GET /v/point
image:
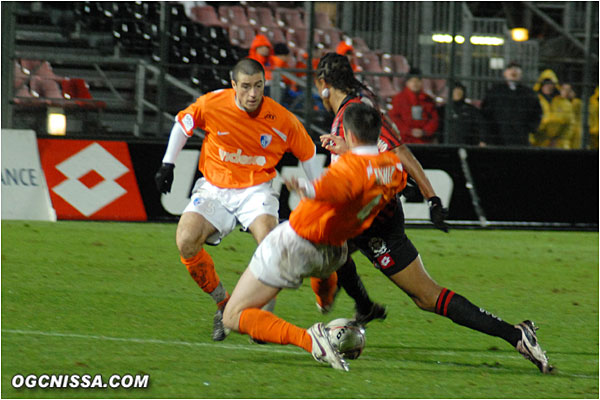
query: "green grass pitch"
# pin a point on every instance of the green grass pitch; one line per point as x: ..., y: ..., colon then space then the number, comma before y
x: 113, y: 298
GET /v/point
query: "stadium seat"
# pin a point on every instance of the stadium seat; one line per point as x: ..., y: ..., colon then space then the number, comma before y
x: 233, y: 15
x: 275, y: 35
x: 206, y: 15
x: 322, y: 21
x: 241, y: 36
x: 330, y: 38
x: 266, y: 18
x: 359, y: 44
x: 297, y: 38
x: 118, y: 9
x: 20, y: 77
x: 213, y: 34
x: 47, y: 90
x: 177, y: 12
x: 30, y: 66
x: 76, y: 89
x: 129, y: 34
x: 402, y: 67
x: 147, y: 11
x: 22, y: 95
x: 289, y: 18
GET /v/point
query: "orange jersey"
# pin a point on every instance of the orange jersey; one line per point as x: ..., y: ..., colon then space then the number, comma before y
x: 241, y: 149
x: 349, y: 196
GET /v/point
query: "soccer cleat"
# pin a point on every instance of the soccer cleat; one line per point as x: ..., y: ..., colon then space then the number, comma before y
x: 322, y: 349
x: 529, y: 347
x: 219, y: 331
x: 377, y: 311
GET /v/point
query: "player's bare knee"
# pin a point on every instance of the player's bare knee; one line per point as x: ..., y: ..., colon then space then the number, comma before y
x: 188, y: 244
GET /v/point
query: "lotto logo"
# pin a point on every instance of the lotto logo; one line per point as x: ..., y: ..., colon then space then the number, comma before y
x: 91, y: 180
x: 385, y: 261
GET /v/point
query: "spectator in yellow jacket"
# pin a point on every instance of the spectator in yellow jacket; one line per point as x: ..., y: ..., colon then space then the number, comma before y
x: 566, y: 90
x: 556, y: 127
x: 593, y: 120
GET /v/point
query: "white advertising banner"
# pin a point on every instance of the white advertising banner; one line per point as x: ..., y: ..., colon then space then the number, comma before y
x: 24, y: 189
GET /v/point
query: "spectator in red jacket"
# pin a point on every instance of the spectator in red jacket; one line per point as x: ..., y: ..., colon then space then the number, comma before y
x: 414, y: 112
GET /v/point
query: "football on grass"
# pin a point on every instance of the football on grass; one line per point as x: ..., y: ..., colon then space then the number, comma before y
x: 347, y: 336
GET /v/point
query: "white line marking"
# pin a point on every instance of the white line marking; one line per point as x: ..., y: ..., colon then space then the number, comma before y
x: 262, y: 348
x: 259, y: 348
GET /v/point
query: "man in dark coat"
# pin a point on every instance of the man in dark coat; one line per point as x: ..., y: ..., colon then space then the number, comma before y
x: 466, y: 123
x: 511, y: 110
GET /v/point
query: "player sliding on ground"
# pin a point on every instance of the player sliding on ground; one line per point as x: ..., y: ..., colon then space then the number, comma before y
x: 385, y: 242
x: 339, y: 205
x: 247, y: 134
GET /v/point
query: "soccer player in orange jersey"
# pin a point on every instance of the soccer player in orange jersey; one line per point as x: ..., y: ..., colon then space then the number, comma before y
x: 339, y: 205
x: 385, y: 243
x: 247, y: 134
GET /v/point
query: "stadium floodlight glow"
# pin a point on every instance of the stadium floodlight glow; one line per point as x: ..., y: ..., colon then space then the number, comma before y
x: 519, y: 34
x: 57, y: 122
x: 446, y: 38
x: 487, y: 40
x: 441, y: 38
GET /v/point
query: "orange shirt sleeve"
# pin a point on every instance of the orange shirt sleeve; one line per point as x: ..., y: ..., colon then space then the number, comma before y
x: 192, y: 116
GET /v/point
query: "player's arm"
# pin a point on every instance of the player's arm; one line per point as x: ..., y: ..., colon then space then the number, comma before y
x: 334, y: 186
x: 437, y: 212
x: 312, y: 168
x: 164, y: 176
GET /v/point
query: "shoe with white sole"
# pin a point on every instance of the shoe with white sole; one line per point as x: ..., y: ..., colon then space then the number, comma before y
x: 529, y: 347
x: 322, y: 349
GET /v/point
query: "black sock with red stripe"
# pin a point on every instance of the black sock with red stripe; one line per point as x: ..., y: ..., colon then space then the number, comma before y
x: 461, y: 311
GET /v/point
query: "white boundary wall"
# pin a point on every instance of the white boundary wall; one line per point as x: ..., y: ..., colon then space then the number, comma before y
x: 24, y: 190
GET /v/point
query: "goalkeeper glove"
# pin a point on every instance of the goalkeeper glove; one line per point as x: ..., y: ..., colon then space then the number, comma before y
x: 438, y: 213
x: 164, y: 178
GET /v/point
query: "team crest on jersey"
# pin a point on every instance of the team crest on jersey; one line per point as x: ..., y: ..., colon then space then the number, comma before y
x: 265, y: 140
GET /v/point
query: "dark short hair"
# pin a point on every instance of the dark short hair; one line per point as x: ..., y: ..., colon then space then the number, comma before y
x: 246, y: 66
x: 415, y: 72
x: 364, y: 121
x: 513, y: 64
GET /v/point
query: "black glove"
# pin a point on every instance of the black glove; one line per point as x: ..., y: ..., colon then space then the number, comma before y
x: 164, y: 178
x: 438, y: 213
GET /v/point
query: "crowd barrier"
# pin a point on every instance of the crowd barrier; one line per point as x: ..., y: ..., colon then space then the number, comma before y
x: 537, y: 188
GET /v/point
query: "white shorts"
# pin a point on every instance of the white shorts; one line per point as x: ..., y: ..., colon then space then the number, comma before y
x: 283, y: 259
x: 223, y: 207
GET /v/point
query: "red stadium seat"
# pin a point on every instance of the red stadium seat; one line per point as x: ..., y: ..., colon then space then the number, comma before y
x: 322, y: 21
x: 77, y: 90
x: 289, y: 18
x: 206, y: 15
x: 241, y: 36
x: 233, y: 15
x: 47, y: 90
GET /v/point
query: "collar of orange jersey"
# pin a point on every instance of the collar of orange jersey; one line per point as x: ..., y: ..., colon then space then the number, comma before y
x: 367, y: 149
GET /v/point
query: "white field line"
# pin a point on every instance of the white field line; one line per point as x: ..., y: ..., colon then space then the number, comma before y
x: 254, y: 347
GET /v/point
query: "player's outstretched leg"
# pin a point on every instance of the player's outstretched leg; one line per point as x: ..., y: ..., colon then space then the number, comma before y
x: 429, y: 296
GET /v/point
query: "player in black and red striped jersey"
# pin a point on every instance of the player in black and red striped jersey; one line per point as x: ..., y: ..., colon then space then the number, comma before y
x: 385, y: 243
